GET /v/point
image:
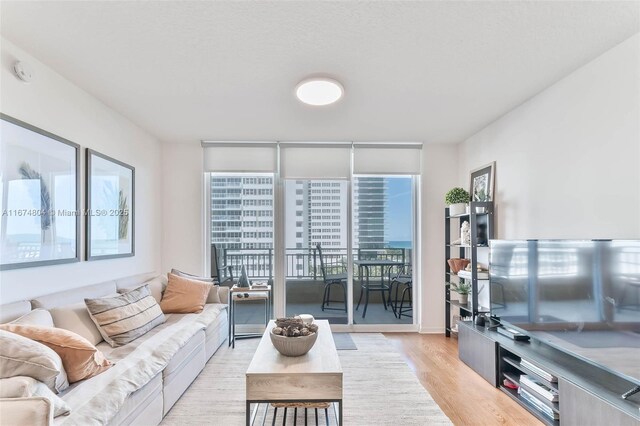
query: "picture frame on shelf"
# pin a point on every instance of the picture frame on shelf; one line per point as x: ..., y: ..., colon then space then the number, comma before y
x: 110, y: 202
x: 482, y: 183
x: 40, y: 197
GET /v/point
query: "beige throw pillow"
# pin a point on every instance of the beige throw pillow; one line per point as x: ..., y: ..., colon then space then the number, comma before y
x: 27, y: 387
x: 21, y: 356
x: 36, y: 317
x: 76, y: 318
x: 80, y: 359
x: 174, y: 271
x: 213, y: 293
x: 123, y: 318
x: 184, y: 295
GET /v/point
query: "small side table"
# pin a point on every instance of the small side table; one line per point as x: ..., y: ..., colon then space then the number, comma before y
x: 240, y: 294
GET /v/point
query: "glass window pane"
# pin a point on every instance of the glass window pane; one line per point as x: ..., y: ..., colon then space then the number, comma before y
x: 242, y: 235
x: 383, y: 242
x: 316, y: 248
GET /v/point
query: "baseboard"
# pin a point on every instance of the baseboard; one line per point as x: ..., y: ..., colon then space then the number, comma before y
x: 431, y: 330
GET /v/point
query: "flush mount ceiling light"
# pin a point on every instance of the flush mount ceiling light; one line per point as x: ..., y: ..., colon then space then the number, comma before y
x: 319, y: 91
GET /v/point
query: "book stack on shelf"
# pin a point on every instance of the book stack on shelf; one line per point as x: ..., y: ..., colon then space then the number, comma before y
x: 535, y: 388
x: 540, y: 396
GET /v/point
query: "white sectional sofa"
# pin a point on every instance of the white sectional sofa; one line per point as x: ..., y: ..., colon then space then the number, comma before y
x: 149, y: 375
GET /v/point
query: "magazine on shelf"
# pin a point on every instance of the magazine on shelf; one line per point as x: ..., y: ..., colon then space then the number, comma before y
x: 539, y: 405
x: 539, y: 371
x: 535, y: 386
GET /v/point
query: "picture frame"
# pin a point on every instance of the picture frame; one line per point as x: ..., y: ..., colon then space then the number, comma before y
x: 482, y: 183
x: 39, y: 197
x: 110, y: 207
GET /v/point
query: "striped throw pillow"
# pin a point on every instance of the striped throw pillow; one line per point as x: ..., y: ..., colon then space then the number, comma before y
x: 123, y: 318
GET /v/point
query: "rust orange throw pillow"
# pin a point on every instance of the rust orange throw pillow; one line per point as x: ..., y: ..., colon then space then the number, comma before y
x: 184, y: 296
x: 80, y: 358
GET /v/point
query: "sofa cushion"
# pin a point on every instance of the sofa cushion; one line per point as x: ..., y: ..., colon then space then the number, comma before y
x: 216, y: 333
x: 123, y: 318
x: 36, y: 317
x: 195, y: 343
x: 26, y: 387
x: 21, y: 356
x: 156, y: 285
x: 184, y: 295
x: 76, y: 318
x: 183, y: 368
x: 11, y: 311
x: 223, y: 294
x: 191, y: 276
x: 75, y: 295
x: 135, y: 281
x: 80, y: 358
x: 138, y: 400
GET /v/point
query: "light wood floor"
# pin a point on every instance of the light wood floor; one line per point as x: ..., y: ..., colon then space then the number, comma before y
x: 462, y: 394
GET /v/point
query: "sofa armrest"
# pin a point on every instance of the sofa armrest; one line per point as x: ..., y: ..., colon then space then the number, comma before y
x: 223, y: 294
x: 33, y: 411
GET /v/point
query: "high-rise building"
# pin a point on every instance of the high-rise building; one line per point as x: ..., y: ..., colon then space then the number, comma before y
x: 242, y: 212
x: 242, y: 215
x: 369, y: 207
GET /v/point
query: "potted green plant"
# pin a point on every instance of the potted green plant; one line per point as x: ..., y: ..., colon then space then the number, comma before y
x: 457, y: 199
x: 463, y: 288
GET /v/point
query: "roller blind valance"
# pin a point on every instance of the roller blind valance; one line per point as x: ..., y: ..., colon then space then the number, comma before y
x: 387, y: 158
x: 229, y: 157
x: 315, y: 160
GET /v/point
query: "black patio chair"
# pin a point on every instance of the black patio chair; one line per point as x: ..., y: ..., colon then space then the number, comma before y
x: 332, y: 280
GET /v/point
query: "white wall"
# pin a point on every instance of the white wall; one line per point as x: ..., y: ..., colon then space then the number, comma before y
x: 52, y: 103
x: 568, y: 160
x: 182, y: 204
x: 439, y: 175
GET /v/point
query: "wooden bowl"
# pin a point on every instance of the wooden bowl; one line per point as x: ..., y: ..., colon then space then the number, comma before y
x: 457, y: 264
x: 293, y: 346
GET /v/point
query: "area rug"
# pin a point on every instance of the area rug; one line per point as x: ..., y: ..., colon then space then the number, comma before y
x: 344, y: 342
x: 379, y: 388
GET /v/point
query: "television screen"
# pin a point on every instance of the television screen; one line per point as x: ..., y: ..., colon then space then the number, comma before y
x: 581, y: 296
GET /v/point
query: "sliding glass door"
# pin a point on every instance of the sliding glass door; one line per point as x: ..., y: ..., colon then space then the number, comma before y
x: 383, y: 217
x: 331, y: 225
x: 316, y: 249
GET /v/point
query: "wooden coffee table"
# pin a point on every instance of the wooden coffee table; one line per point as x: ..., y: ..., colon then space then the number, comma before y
x: 311, y: 378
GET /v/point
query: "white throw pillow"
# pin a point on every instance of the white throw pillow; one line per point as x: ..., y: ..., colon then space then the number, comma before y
x: 21, y: 356
x: 26, y: 387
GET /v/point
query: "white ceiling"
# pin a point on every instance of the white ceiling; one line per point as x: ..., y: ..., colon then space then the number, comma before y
x: 426, y: 71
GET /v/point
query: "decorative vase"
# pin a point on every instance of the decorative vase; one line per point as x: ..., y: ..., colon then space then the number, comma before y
x: 457, y: 209
x: 457, y: 264
x: 463, y: 298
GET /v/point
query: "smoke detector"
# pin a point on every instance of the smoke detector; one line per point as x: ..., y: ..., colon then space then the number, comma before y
x: 23, y: 71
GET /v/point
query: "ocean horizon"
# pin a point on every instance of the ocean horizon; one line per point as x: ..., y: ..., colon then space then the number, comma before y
x: 400, y: 244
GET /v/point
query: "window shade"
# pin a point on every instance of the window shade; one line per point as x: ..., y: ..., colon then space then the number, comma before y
x: 238, y: 157
x: 387, y: 158
x: 315, y: 160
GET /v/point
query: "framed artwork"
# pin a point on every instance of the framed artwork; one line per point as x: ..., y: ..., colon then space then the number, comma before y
x: 110, y: 207
x: 482, y: 183
x: 39, y: 197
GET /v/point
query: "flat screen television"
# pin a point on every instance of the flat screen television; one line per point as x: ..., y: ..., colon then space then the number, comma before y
x: 581, y: 296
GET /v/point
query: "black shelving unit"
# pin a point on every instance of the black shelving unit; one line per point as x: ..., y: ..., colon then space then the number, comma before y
x: 482, y: 230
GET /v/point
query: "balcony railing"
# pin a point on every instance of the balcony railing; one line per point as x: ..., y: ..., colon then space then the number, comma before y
x: 305, y: 263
